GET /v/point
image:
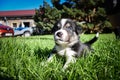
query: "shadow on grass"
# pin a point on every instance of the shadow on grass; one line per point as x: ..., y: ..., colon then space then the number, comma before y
x: 6, y: 78
x: 41, y: 38
x: 42, y: 53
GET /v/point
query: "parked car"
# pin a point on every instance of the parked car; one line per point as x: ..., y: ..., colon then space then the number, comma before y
x: 6, y: 30
x: 23, y: 31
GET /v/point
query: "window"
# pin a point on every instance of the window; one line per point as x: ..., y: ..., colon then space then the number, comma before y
x: 14, y: 24
x: 27, y: 24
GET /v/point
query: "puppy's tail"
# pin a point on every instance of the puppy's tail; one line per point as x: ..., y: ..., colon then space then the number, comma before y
x: 93, y: 40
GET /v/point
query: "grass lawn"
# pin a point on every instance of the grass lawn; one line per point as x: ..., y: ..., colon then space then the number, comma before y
x: 22, y: 59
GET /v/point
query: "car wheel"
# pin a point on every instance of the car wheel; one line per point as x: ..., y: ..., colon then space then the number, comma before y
x: 27, y: 34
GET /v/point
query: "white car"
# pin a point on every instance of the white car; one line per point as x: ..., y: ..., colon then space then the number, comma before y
x: 23, y: 31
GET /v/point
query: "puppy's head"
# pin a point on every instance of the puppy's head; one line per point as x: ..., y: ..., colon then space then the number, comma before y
x: 65, y: 31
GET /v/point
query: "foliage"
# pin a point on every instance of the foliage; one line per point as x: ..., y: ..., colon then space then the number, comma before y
x: 91, y: 11
x: 45, y: 17
x: 23, y: 59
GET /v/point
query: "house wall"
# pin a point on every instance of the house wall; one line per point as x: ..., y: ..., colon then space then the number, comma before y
x: 16, y: 23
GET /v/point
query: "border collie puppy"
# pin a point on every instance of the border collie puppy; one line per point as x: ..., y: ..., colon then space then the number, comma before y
x: 67, y: 43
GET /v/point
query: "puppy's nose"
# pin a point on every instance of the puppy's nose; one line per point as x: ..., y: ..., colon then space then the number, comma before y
x: 59, y: 34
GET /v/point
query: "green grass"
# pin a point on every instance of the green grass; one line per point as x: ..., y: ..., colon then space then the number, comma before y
x: 22, y: 59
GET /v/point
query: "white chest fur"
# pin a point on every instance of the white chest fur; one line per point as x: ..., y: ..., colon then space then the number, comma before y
x: 65, y: 51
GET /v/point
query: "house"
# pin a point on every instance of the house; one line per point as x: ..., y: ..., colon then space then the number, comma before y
x: 17, y: 18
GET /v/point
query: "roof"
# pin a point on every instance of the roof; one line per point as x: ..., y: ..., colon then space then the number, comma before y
x: 17, y: 13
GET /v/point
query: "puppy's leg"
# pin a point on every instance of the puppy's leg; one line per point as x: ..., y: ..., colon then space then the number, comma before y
x: 52, y: 54
x: 50, y: 58
x: 69, y: 59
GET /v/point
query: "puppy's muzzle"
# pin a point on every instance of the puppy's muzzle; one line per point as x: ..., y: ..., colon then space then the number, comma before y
x: 59, y: 34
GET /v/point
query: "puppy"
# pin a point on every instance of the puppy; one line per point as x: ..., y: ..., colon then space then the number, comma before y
x: 67, y: 43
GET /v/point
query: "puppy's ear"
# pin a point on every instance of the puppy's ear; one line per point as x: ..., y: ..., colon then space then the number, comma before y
x: 78, y: 29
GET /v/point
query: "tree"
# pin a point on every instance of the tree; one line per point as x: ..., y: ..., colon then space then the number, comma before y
x: 56, y: 4
x: 90, y: 11
x: 93, y: 13
x: 45, y: 17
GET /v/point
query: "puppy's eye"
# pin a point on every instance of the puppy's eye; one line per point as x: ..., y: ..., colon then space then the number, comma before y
x: 58, y: 26
x: 68, y: 27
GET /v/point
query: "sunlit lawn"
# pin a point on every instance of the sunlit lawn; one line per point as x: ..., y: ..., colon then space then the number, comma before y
x: 22, y: 58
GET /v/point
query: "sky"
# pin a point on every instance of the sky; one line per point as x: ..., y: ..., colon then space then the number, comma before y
x: 6, y: 5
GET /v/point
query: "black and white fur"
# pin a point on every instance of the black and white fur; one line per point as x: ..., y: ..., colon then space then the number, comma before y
x: 67, y: 43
